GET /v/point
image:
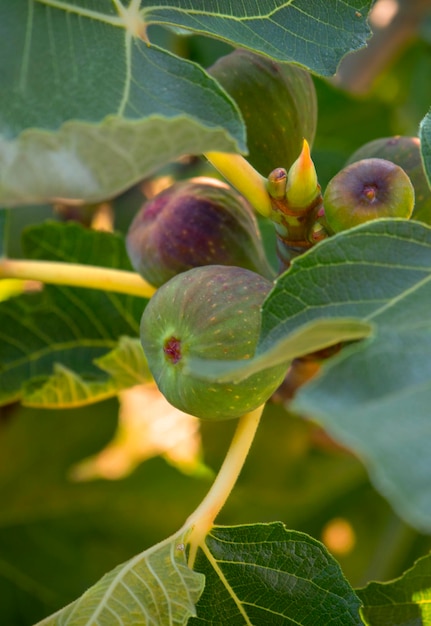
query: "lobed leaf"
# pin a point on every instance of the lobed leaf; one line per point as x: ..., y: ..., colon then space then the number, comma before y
x: 378, y: 275
x: 154, y: 587
x: 66, y: 330
x: 89, y: 107
x: 381, y: 386
x: 265, y: 574
x: 405, y: 601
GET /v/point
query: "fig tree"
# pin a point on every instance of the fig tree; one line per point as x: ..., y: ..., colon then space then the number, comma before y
x: 367, y: 190
x: 192, y: 223
x: 211, y: 312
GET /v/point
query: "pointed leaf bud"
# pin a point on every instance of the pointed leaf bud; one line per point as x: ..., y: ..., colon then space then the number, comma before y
x: 302, y: 186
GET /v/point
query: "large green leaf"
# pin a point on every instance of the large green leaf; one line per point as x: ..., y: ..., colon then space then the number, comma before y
x: 93, y: 108
x: 154, y: 587
x: 379, y: 273
x: 265, y: 574
x: 425, y: 137
x: 405, y: 601
x: 314, y: 34
x: 381, y: 386
x: 68, y: 326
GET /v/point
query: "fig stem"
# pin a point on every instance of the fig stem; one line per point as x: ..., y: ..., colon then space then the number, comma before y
x: 202, y: 519
x: 75, y: 275
x: 244, y: 178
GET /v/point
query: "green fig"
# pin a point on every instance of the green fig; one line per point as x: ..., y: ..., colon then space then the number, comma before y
x: 192, y: 223
x: 278, y: 103
x: 405, y: 152
x: 367, y: 190
x: 211, y: 312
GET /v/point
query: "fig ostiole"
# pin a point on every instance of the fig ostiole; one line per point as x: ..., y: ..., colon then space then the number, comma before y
x: 193, y: 223
x: 211, y: 312
x: 404, y: 151
x: 366, y: 190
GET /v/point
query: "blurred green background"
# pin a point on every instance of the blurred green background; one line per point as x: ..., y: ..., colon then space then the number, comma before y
x: 59, y: 535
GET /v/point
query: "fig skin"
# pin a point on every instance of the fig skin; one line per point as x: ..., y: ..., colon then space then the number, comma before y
x: 192, y: 223
x: 278, y: 102
x: 403, y: 151
x: 211, y: 312
x: 366, y: 190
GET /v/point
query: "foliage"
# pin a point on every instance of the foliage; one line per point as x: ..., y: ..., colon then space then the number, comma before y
x: 101, y: 102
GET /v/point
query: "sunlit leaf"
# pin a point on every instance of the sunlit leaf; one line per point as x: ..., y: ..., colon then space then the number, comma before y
x: 265, y: 574
x: 154, y: 587
x: 148, y: 426
x: 405, y: 601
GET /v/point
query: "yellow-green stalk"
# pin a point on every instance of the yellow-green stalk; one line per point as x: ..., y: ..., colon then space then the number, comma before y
x: 244, y: 178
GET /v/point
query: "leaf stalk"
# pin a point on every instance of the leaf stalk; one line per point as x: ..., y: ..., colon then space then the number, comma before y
x: 76, y: 275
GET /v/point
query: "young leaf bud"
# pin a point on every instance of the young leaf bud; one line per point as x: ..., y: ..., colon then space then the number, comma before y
x: 302, y: 186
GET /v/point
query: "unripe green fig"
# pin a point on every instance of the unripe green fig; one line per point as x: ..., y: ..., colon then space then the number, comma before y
x: 405, y: 152
x: 278, y: 103
x: 192, y: 223
x: 210, y: 312
x: 367, y: 190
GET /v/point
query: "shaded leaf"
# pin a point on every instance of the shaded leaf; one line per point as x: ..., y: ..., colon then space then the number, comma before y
x: 265, y: 574
x: 380, y: 272
x: 153, y: 587
x: 405, y: 601
x: 64, y: 325
x: 425, y: 137
x: 313, y: 34
x: 94, y: 109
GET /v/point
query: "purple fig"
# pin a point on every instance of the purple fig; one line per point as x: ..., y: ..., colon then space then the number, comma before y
x: 194, y: 223
x: 367, y: 190
x: 278, y: 103
x: 211, y: 312
x: 405, y: 152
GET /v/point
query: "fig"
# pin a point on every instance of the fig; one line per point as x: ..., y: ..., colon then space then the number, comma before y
x: 192, y: 223
x: 367, y: 190
x: 211, y: 312
x: 278, y: 103
x: 405, y: 152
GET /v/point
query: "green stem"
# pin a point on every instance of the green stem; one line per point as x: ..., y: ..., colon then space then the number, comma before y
x: 74, y: 275
x: 244, y: 178
x: 202, y: 519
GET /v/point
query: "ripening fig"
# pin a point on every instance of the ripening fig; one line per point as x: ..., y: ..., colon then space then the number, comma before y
x: 367, y: 190
x: 405, y: 152
x: 192, y: 223
x: 278, y: 103
x: 210, y: 312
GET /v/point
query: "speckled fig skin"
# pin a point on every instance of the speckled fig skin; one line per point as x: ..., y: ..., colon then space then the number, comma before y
x: 194, y: 223
x: 277, y: 101
x: 366, y: 190
x: 210, y: 312
x: 403, y: 151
